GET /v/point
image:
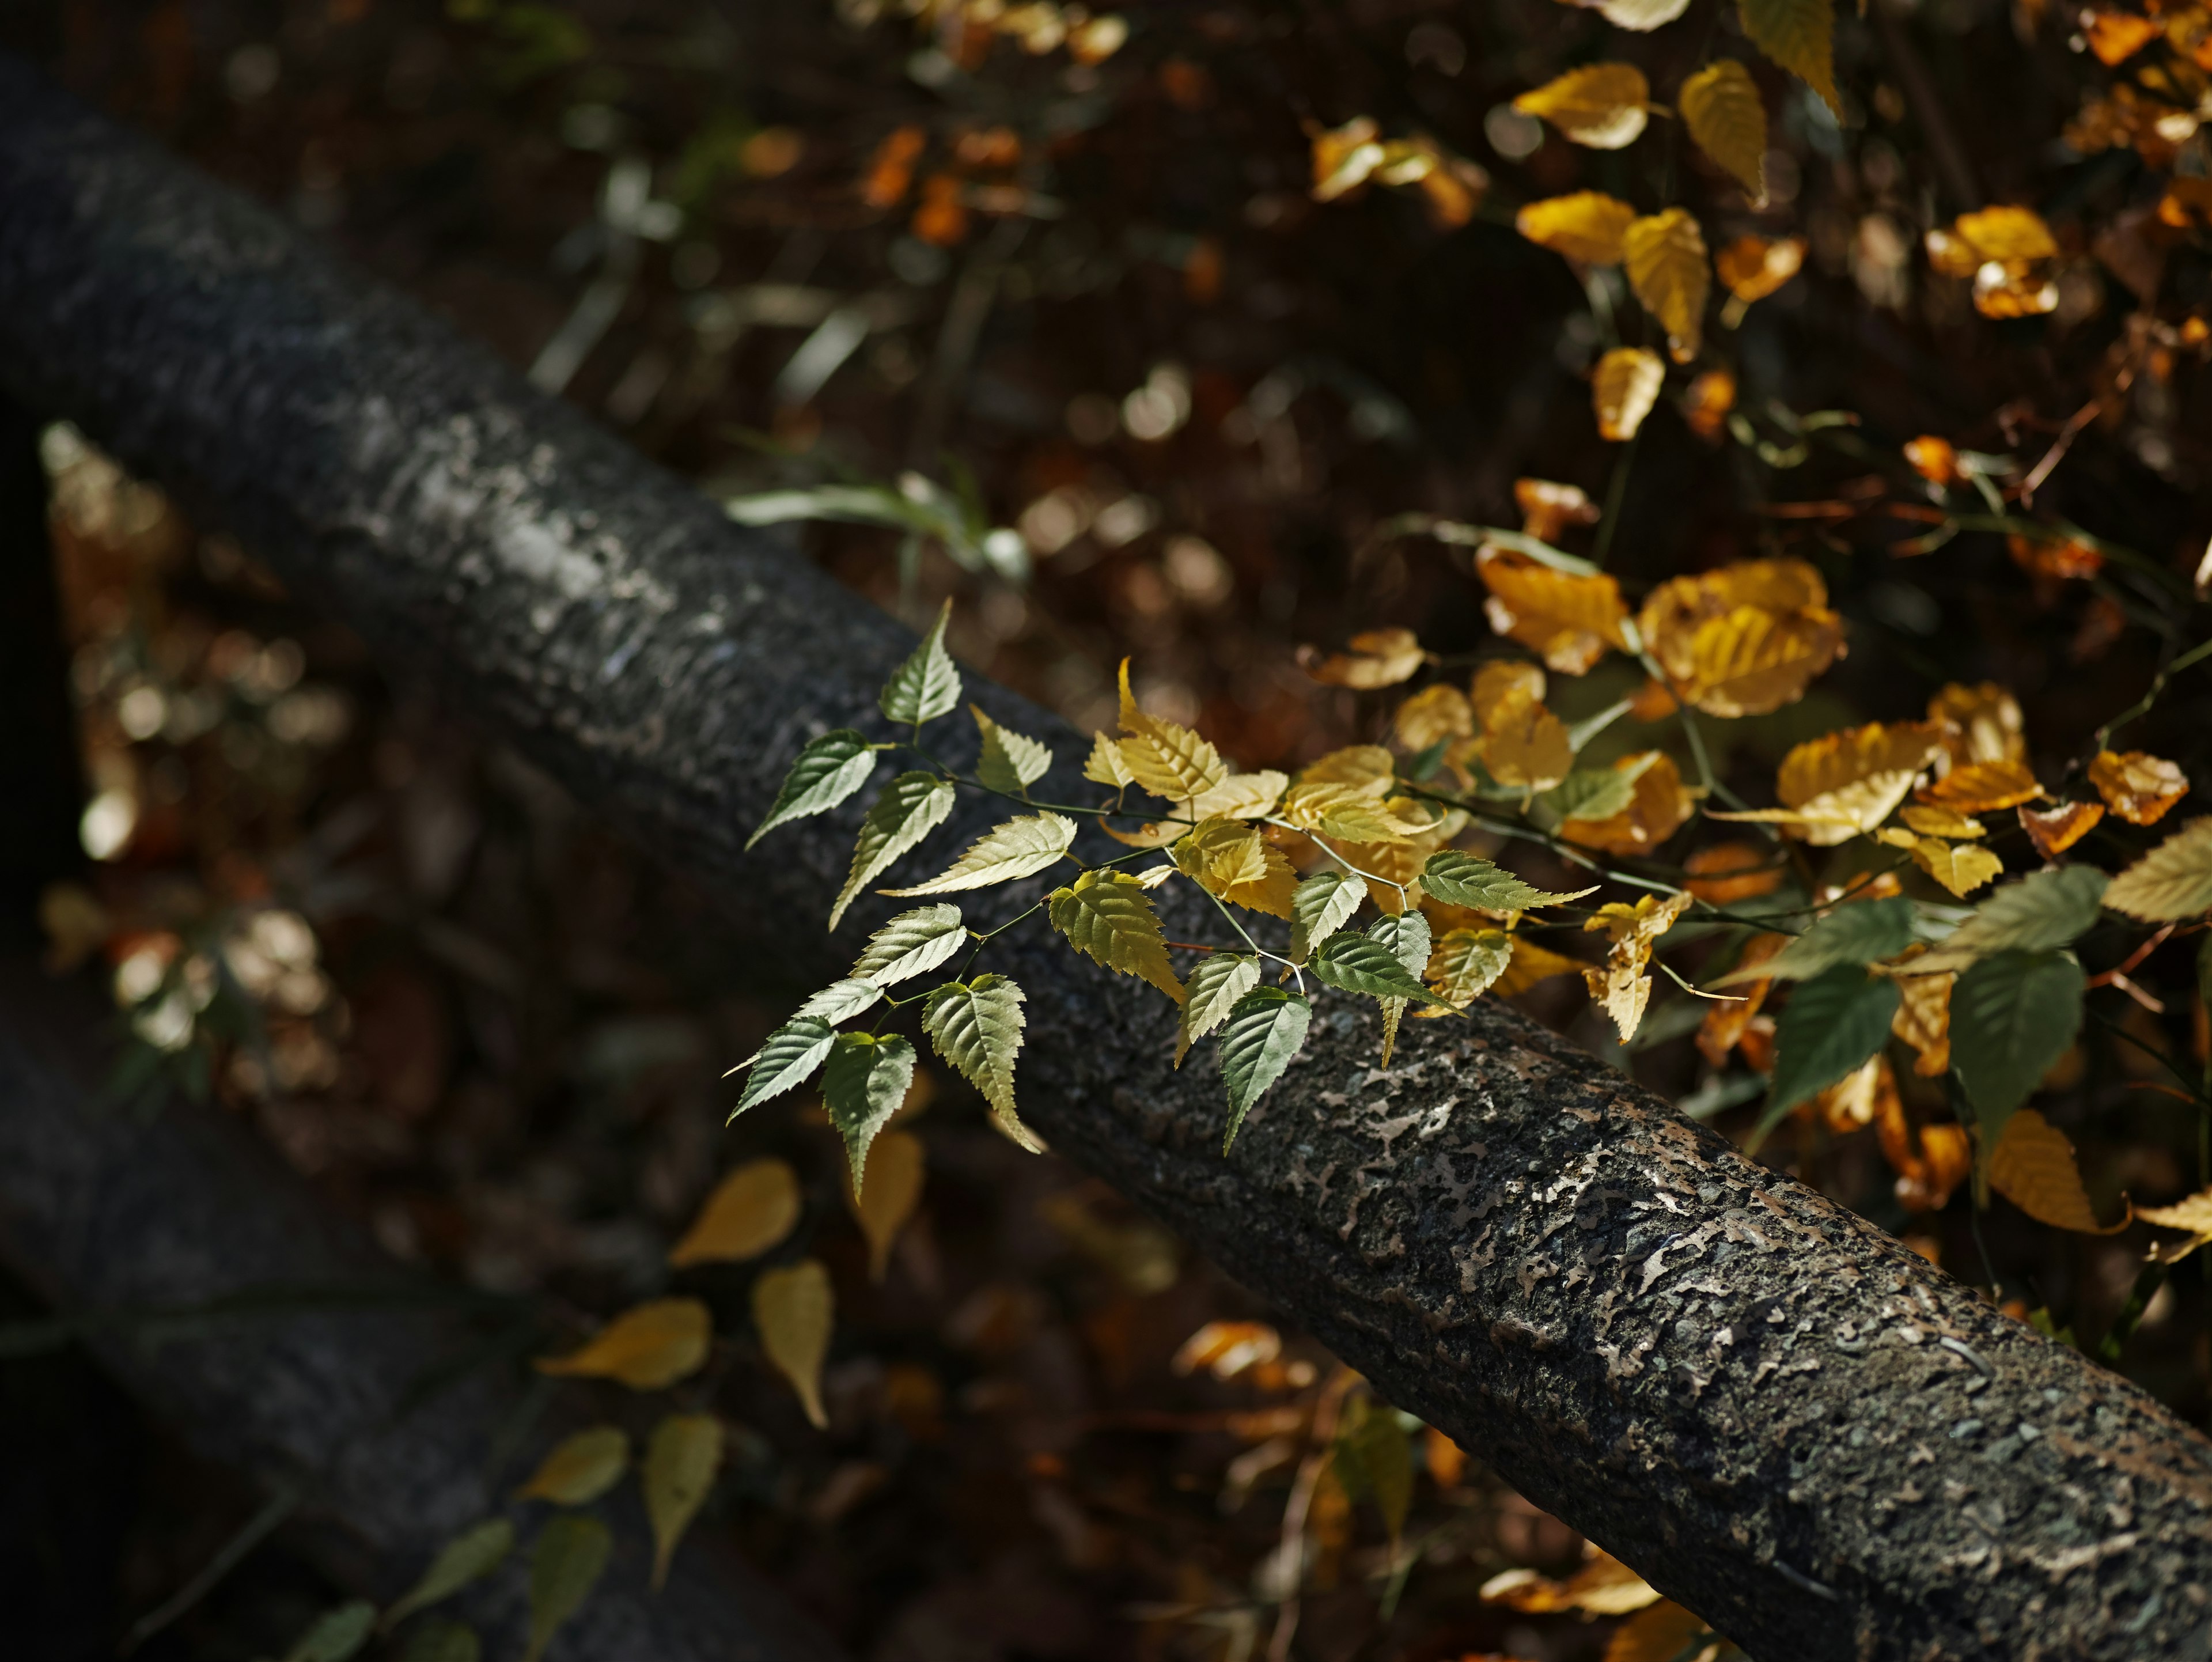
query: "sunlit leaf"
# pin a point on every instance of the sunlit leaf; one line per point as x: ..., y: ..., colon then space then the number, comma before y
x: 2033, y: 1166
x: 1725, y: 873
x: 1466, y: 880
x: 1320, y: 907
x: 1624, y: 388
x: 1752, y: 267
x: 2013, y: 1015
x: 1466, y: 963
x: 469, y: 1556
x: 1831, y: 1025
x: 1656, y: 808
x: 828, y: 770
x: 2055, y: 830
x: 1235, y: 862
x: 1982, y: 788
x: 2192, y: 1215
x: 1931, y: 821
x: 1432, y: 715
x: 1344, y: 158
x: 1345, y: 813
x: 1721, y: 106
x: 926, y: 685
x: 913, y: 943
x: 911, y: 806
x: 1622, y: 988
x: 1528, y: 749
x: 681, y: 1459
x: 1961, y: 867
x: 2171, y: 882
x: 1641, y: 14
x: 565, y: 1563
x: 1661, y: 1633
x: 1369, y: 768
x: 976, y: 1026
x: 788, y: 1057
x: 1020, y: 847
x: 1567, y: 620
x: 1603, y: 105
x: 1355, y: 962
x: 2042, y: 911
x: 1846, y: 784
x: 1107, y: 765
x: 1377, y: 658
x: 751, y: 1209
x: 2138, y: 786
x: 646, y: 1348
x: 1242, y: 796
x: 1009, y: 761
x: 1166, y: 759
x: 1105, y: 916
x: 839, y: 1001
x: 1860, y: 933
x: 2117, y: 36
x: 863, y: 1084
x: 1665, y: 257
x: 1603, y: 1586
x: 1215, y: 987
x: 792, y: 1309
x: 579, y: 1468
x: 1801, y: 36
x: 1264, y: 1030
x: 1745, y: 639
x: 1589, y: 227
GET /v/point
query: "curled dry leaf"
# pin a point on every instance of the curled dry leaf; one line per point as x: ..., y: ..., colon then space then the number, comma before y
x: 1706, y: 404
x: 2055, y: 830
x: 2008, y: 253
x: 1960, y: 867
x: 1980, y: 723
x: 1923, y: 1020
x: 1589, y: 227
x: 1375, y: 658
x: 1934, y: 459
x: 1603, y: 105
x: 647, y: 1348
x: 1602, y: 1586
x: 1567, y: 620
x: 1433, y: 715
x: 1752, y: 267
x: 1622, y: 988
x: 2138, y: 786
x: 2033, y: 1166
x: 1624, y: 388
x: 1665, y: 256
x: 1745, y: 639
x: 1548, y: 508
x: 750, y: 1210
x: 792, y: 1308
x: 1654, y: 813
x: 1982, y: 788
x: 2192, y: 1215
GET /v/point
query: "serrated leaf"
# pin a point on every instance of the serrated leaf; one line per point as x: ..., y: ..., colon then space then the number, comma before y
x: 862, y: 1087
x: 1721, y: 106
x: 1105, y: 916
x: 913, y: 943
x: 926, y: 685
x: 2042, y: 911
x: 2138, y: 786
x: 751, y: 1209
x: 1010, y: 761
x: 1355, y: 963
x: 1665, y: 257
x: 830, y: 770
x: 1214, y: 988
x: 1623, y: 390
x: 1266, y: 1029
x: 1801, y: 36
x: 1167, y: 759
x: 580, y: 1469
x: 336, y: 1635
x: 2033, y: 1166
x: 646, y: 1348
x: 911, y: 806
x: 1020, y: 847
x: 1407, y: 935
x: 2013, y: 1015
x: 565, y: 1563
x: 1961, y: 867
x: 1320, y: 907
x: 470, y: 1555
x: 1345, y: 812
x: 1466, y: 880
x: 1233, y: 861
x: 681, y: 1459
x: 976, y: 1026
x: 2172, y: 881
x: 794, y: 1309
x: 1859, y: 933
x: 789, y: 1056
x: 895, y: 1167
x: 1603, y: 105
x: 1106, y: 765
x: 443, y: 1642
x: 1587, y: 226
x: 1594, y: 793
x: 1831, y: 1025
x: 1467, y: 962
x: 840, y: 1000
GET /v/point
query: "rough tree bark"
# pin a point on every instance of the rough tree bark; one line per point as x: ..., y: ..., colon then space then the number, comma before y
x: 1778, y: 1414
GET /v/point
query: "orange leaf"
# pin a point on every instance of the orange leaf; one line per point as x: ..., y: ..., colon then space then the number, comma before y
x: 1982, y: 788
x: 2138, y: 786
x: 2053, y: 831
x: 1728, y: 872
x: 654, y: 1345
x: 2033, y: 1166
x: 1568, y: 620
x: 1654, y: 813
x: 1377, y: 658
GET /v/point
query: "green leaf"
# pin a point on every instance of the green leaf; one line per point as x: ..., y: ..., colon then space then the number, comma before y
x: 337, y: 1634
x: 2172, y: 881
x: 863, y: 1086
x: 787, y: 1058
x: 2013, y: 1015
x: 681, y: 1459
x: 1010, y: 761
x: 1374, y: 1461
x: 826, y: 771
x: 565, y: 1564
x: 1214, y: 986
x: 2041, y: 912
x: 840, y: 1000
x: 912, y: 806
x: 444, y: 1642
x: 913, y: 943
x: 926, y: 685
x: 1463, y: 879
x: 1021, y: 847
x: 473, y: 1553
x: 1801, y: 36
x: 1265, y: 1030
x: 1407, y: 935
x: 1466, y: 961
x: 976, y: 1027
x: 1105, y: 916
x: 1320, y: 906
x: 1355, y: 963
x: 1860, y: 933
x: 1831, y: 1025
x: 1594, y: 793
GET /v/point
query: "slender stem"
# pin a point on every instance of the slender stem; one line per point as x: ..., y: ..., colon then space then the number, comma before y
x: 1614, y: 492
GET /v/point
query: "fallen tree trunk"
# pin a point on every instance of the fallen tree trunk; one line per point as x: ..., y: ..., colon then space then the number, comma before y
x: 1777, y: 1412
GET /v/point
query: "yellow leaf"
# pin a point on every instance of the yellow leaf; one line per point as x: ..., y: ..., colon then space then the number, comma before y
x: 1642, y: 15
x: 1923, y: 1020
x: 1942, y: 822
x: 1603, y: 105
x: 654, y: 1345
x: 2055, y: 830
x: 1370, y: 767
x: 1961, y: 867
x: 2192, y: 1215
x: 1020, y: 847
x: 1603, y: 1586
x: 1432, y: 714
x: 1665, y: 254
x: 2117, y: 36
x: 1844, y: 783
x: 1504, y: 686
x: 1801, y: 36
x: 2007, y: 252
x: 1588, y: 227
x: 1531, y: 964
x: 1654, y: 813
x: 1622, y: 988
x: 580, y: 1469
x: 1239, y: 864
x: 1752, y: 267
x: 1104, y: 914
x: 1567, y: 620
x: 2034, y: 1168
x: 1165, y: 758
x: 1660, y: 1633
x: 1528, y: 749
x: 1344, y: 156
x: 1548, y: 507
x: 1978, y: 724
x: 1723, y: 110
x: 1982, y: 788
x: 1105, y: 765
x: 888, y: 1197
x: 1153, y: 834
x: 681, y: 1459
x: 1623, y: 389
x: 2171, y: 882
x: 1465, y: 962
x: 1375, y: 658
x: 2005, y: 234
x: 2138, y: 786
x: 1345, y: 813
x: 1936, y: 460
x: 794, y: 1307
x: 1242, y: 796
x: 1745, y: 639
x: 750, y: 1210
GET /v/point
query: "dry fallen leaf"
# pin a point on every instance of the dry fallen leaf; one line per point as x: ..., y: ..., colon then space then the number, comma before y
x: 2055, y: 830
x: 1982, y: 788
x: 1624, y: 388
x: 1655, y: 812
x: 647, y: 1348
x: 2138, y: 786
x: 1567, y: 620
x: 1602, y: 1586
x: 1374, y: 658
